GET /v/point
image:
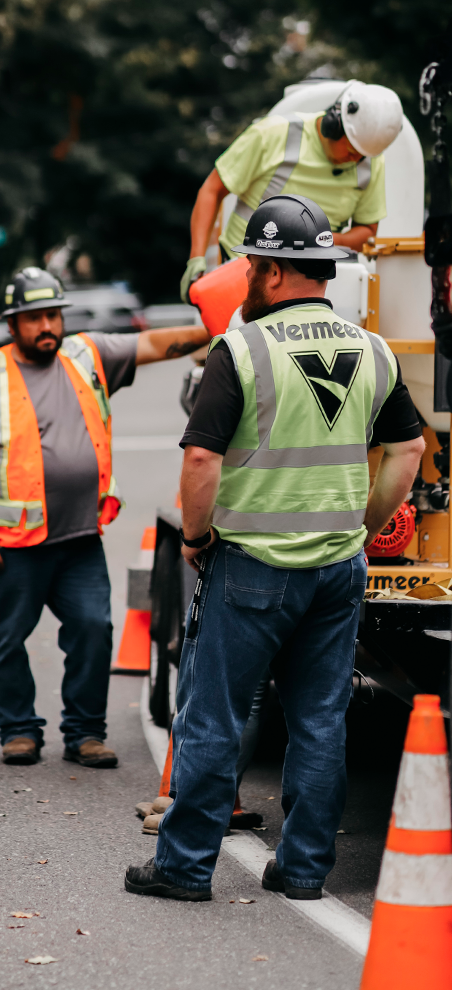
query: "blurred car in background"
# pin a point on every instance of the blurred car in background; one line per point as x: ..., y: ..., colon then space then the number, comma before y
x: 111, y: 309
x: 172, y: 315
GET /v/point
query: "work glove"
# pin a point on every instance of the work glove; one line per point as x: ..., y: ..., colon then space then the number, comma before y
x: 195, y: 268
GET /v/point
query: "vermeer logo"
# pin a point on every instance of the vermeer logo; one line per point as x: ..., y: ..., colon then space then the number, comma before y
x: 325, y: 239
x: 270, y: 229
x: 330, y: 384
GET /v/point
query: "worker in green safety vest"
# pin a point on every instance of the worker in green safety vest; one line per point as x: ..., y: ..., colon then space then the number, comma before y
x: 276, y: 514
x: 334, y: 157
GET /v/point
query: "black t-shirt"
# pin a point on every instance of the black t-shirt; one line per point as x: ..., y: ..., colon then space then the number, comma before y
x: 219, y: 403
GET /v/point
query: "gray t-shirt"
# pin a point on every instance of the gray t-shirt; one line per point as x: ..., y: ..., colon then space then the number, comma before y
x: 70, y: 466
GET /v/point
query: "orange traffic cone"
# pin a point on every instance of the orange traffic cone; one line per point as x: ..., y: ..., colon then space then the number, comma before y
x: 134, y: 654
x: 411, y: 939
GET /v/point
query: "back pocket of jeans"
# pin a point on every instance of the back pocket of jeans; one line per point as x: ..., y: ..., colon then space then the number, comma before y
x: 251, y: 584
x: 358, y: 579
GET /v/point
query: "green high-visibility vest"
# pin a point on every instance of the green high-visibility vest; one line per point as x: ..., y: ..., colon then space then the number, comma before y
x: 295, y: 478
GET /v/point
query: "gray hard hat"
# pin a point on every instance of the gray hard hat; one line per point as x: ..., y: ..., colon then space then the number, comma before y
x: 290, y: 227
x: 33, y: 288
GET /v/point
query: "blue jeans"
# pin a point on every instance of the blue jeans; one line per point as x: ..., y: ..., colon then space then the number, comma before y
x: 248, y: 612
x: 72, y: 579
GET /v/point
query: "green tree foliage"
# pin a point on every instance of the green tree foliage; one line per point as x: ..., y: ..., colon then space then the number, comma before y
x: 113, y: 112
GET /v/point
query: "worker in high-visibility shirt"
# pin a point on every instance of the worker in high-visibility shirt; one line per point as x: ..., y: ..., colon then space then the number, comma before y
x: 57, y: 491
x: 275, y: 491
x: 334, y: 157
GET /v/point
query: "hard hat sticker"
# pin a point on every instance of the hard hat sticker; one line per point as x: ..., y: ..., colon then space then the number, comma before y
x: 325, y: 239
x: 270, y: 229
x: 268, y: 244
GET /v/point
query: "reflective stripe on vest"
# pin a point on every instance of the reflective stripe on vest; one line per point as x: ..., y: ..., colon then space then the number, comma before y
x: 11, y: 514
x: 82, y: 358
x: 287, y: 522
x: 364, y: 172
x: 23, y: 520
x: 284, y: 170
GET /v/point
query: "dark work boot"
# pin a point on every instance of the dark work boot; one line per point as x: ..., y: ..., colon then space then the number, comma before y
x: 148, y: 880
x: 245, y: 820
x: 92, y: 753
x: 273, y: 880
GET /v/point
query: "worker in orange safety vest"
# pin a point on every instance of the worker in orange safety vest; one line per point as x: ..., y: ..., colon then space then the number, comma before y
x: 57, y: 491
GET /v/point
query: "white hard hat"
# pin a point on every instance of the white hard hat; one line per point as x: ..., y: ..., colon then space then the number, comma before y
x: 371, y: 117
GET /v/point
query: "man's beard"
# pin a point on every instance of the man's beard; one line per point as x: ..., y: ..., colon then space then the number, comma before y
x: 257, y: 303
x: 33, y: 353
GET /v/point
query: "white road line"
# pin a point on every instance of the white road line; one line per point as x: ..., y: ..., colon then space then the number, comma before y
x: 156, y: 738
x: 331, y: 914
x: 146, y: 443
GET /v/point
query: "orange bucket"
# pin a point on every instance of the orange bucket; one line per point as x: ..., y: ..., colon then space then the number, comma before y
x: 218, y: 294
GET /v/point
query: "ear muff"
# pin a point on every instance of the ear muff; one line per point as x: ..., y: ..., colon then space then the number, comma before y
x: 331, y: 124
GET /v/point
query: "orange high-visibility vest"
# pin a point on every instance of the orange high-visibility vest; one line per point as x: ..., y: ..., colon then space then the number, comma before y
x: 23, y: 510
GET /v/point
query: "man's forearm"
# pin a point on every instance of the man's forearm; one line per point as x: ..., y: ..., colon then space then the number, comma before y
x: 394, y: 480
x: 205, y: 211
x: 356, y: 237
x: 172, y: 342
x: 200, y: 480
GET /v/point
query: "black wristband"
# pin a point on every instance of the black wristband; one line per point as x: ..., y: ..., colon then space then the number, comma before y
x: 195, y: 544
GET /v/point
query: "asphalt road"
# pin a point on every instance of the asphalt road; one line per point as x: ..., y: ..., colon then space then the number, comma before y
x: 149, y: 943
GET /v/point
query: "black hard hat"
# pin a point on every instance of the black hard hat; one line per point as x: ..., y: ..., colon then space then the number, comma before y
x: 33, y: 288
x: 290, y: 227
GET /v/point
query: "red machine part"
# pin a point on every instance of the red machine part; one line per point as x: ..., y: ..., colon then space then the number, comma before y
x: 396, y: 535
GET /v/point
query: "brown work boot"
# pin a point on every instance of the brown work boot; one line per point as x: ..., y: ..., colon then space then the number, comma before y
x: 92, y: 753
x: 144, y: 808
x: 157, y: 807
x: 151, y: 824
x: 160, y: 805
x: 21, y: 750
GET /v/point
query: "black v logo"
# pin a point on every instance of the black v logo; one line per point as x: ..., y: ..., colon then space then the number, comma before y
x: 341, y: 372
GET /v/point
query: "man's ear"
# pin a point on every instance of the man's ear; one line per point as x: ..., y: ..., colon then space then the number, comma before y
x: 12, y: 325
x: 276, y: 273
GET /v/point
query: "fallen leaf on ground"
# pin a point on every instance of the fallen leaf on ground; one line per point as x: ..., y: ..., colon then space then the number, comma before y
x: 260, y: 828
x: 259, y: 959
x: 270, y: 798
x: 70, y: 812
x: 81, y: 932
x: 21, y: 914
x: 2, y: 814
x: 41, y: 801
x: 42, y: 862
x: 232, y: 902
x: 15, y: 926
x: 342, y: 831
x: 41, y: 960
x: 244, y: 900
x: 72, y: 778
x: 134, y: 704
x: 18, y: 790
